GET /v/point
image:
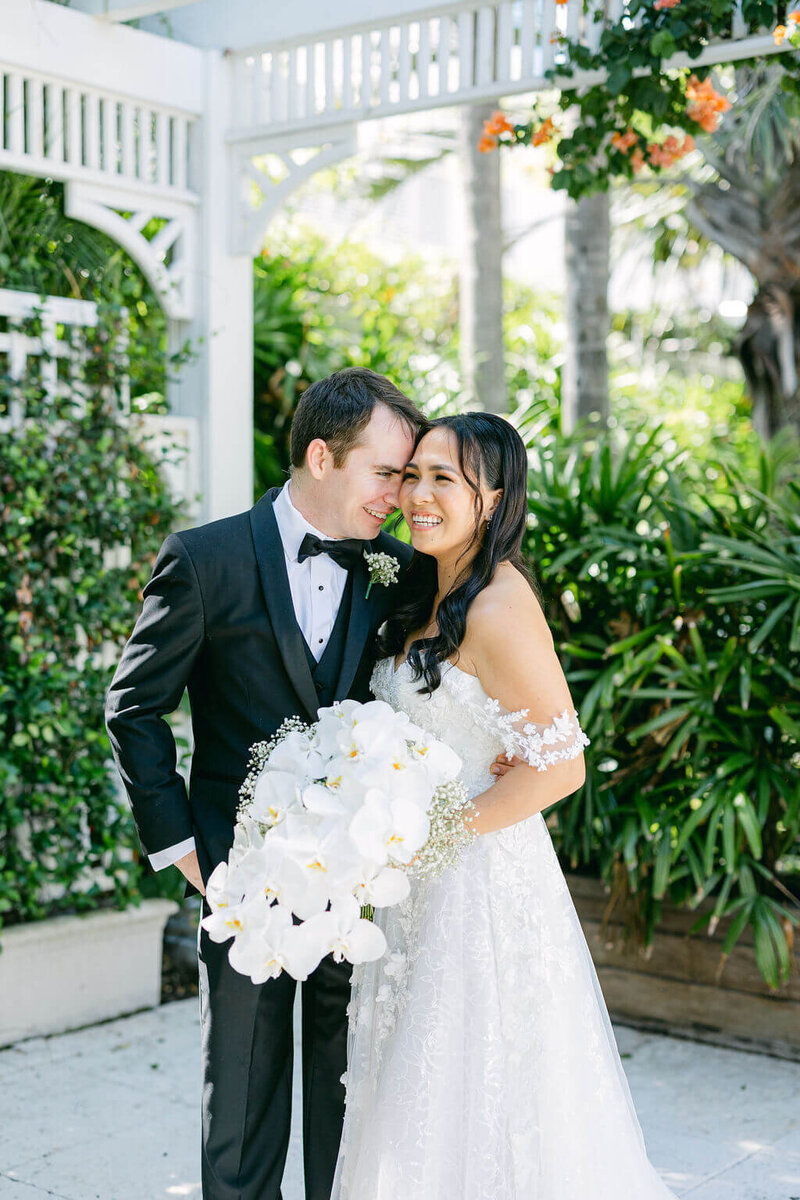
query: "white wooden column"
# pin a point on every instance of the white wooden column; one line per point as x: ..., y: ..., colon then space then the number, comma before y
x: 217, y: 387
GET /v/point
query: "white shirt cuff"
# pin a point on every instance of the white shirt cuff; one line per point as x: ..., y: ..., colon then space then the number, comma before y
x: 166, y: 858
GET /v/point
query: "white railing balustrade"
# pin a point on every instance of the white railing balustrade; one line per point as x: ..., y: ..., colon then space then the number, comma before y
x: 452, y: 54
x: 56, y: 128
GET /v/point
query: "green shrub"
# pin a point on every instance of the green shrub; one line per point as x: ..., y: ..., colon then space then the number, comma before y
x: 82, y: 511
x: 45, y: 252
x: 677, y: 615
x: 320, y: 307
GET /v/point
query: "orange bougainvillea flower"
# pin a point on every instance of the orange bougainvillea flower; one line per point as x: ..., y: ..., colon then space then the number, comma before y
x: 624, y: 141
x: 669, y: 151
x: 497, y: 123
x: 544, y: 132
x: 661, y: 4
x: 779, y: 33
x: 707, y: 105
x: 637, y: 160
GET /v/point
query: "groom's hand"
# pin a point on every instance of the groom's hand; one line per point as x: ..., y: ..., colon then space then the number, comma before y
x: 503, y: 764
x: 190, y: 868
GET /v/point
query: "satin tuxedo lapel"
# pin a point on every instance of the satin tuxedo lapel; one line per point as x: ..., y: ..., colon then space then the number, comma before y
x: 367, y: 615
x: 358, y: 630
x: 278, y: 599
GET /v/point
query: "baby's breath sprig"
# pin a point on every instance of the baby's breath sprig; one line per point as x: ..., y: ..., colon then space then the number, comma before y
x: 260, y: 752
x: 449, y: 836
x: 383, y: 569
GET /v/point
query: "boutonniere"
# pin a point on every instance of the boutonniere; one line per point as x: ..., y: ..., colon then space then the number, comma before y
x: 383, y: 569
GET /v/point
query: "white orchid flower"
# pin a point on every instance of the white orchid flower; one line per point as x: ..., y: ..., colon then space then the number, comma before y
x: 386, y: 831
x: 343, y: 933
x: 377, y: 737
x: 333, y: 727
x: 274, y: 947
x: 325, y: 800
x: 352, y: 729
x: 395, y: 778
x: 440, y: 761
x: 296, y: 754
x: 344, y: 774
x: 342, y: 710
x: 389, y: 886
x: 319, y: 863
x: 225, y: 888
x: 231, y: 920
x: 276, y: 794
x: 247, y: 835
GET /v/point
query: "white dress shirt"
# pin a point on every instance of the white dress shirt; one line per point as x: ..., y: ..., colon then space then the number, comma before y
x: 317, y: 586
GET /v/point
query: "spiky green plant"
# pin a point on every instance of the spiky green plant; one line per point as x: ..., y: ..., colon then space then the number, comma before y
x: 679, y: 620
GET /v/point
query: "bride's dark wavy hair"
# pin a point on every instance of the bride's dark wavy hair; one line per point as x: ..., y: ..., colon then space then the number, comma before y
x: 490, y: 453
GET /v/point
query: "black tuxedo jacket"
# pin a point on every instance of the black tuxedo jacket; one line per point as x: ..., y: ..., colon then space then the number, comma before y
x: 218, y: 620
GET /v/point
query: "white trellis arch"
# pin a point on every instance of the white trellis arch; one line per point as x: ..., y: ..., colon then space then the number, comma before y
x: 57, y: 357
x: 140, y: 125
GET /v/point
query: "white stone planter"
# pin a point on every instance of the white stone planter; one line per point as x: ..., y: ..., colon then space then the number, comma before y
x: 66, y: 972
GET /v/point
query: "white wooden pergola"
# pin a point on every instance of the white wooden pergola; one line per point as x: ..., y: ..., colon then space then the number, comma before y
x: 173, y: 120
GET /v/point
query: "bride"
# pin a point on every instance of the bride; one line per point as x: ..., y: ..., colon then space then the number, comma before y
x: 481, y: 1060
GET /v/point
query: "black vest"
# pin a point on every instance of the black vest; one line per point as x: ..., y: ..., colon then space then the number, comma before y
x: 325, y: 673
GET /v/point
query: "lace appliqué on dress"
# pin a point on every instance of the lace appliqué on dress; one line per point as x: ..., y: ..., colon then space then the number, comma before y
x: 540, y: 745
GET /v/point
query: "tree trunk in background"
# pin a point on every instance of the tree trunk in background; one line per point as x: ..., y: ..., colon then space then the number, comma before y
x: 752, y: 210
x: 769, y: 348
x: 760, y: 226
x: 584, y: 384
x: 481, y: 271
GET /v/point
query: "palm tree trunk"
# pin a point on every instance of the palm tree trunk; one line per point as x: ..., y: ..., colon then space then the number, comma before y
x: 584, y: 387
x: 769, y: 349
x: 753, y: 212
x: 481, y: 273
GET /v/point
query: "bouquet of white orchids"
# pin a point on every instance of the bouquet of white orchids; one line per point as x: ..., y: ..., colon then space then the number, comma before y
x: 333, y: 819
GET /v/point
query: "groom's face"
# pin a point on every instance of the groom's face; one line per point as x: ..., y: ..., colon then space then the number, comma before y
x: 361, y: 493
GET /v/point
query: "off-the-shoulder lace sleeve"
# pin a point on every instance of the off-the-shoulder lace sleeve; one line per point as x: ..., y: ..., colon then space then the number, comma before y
x: 540, y: 745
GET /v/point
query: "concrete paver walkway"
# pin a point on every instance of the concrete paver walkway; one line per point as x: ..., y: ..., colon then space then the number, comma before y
x: 111, y: 1113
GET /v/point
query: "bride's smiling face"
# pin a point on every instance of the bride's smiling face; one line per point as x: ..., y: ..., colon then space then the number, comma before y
x: 436, y: 499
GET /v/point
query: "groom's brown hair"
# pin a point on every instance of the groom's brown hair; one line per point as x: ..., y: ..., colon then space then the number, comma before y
x: 338, y: 408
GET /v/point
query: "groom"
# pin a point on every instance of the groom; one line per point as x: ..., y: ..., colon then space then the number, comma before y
x: 262, y: 616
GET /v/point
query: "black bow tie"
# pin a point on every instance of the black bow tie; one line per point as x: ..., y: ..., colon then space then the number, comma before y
x: 347, y: 552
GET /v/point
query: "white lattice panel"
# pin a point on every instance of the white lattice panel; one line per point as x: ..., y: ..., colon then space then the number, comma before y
x: 58, y: 353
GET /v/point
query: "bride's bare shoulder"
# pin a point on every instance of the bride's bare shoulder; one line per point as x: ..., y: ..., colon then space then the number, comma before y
x: 512, y: 651
x: 507, y: 612
x: 508, y: 595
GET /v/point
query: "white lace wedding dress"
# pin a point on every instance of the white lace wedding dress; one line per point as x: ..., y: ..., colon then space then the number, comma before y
x: 481, y: 1061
